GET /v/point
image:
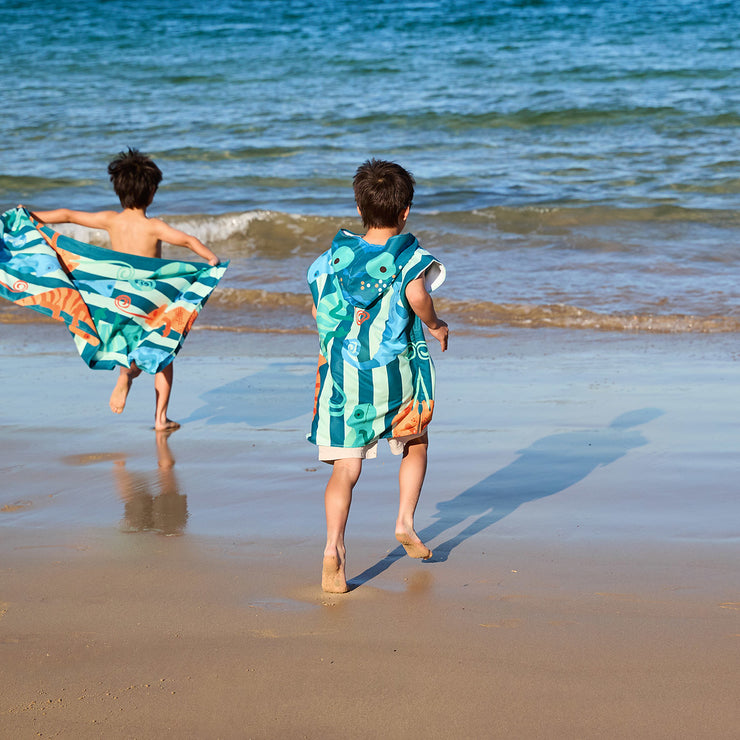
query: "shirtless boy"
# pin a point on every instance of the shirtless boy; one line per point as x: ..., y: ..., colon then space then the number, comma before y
x: 135, y: 179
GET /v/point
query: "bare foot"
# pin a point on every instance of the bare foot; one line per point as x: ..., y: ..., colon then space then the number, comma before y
x: 414, y: 547
x: 167, y: 426
x: 333, y: 580
x: 120, y: 394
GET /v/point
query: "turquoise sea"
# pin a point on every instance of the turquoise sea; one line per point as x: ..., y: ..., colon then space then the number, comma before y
x: 577, y: 163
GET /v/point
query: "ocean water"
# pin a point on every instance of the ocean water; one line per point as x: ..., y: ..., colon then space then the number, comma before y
x: 577, y: 163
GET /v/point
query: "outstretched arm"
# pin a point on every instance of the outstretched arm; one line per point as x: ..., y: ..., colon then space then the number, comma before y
x: 423, y: 306
x: 168, y: 234
x: 98, y: 220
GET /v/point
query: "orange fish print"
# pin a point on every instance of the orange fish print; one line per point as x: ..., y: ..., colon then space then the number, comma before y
x: 176, y: 318
x: 412, y: 418
x: 64, y: 300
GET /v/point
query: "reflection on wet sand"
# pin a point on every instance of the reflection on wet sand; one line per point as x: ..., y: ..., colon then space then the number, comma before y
x: 152, y: 501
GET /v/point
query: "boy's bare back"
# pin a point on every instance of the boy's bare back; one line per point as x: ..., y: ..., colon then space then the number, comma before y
x: 131, y: 231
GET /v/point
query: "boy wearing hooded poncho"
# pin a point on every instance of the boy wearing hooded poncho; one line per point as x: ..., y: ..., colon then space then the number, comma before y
x: 375, y: 378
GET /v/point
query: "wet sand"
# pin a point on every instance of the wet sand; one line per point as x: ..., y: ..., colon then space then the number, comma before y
x: 581, y: 503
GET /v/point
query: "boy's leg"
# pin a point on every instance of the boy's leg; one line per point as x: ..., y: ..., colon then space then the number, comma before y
x: 337, y: 500
x: 162, y: 390
x: 123, y: 386
x: 410, y: 479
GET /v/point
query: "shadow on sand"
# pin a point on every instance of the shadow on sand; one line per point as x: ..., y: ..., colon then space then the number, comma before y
x: 548, y: 466
x: 269, y: 396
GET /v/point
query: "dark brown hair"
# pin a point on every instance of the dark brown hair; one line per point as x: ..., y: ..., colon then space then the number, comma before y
x: 135, y: 178
x: 383, y: 191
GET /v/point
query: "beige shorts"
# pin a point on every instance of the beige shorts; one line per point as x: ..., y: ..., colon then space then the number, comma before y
x: 368, y: 452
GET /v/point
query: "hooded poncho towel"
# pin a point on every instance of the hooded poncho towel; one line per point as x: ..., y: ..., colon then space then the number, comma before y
x: 120, y: 308
x: 375, y: 377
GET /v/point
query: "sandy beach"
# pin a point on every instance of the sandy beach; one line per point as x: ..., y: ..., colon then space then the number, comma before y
x: 581, y: 503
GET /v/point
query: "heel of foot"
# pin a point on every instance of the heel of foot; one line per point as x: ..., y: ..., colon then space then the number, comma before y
x: 333, y: 580
x: 414, y: 549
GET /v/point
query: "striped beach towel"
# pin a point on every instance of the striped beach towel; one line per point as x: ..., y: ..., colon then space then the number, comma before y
x: 119, y: 308
x: 375, y: 377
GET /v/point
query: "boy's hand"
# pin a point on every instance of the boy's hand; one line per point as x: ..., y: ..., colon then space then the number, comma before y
x: 441, y: 334
x: 214, y: 261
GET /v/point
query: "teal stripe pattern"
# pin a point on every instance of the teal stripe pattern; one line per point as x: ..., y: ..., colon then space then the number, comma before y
x: 119, y: 308
x: 375, y: 377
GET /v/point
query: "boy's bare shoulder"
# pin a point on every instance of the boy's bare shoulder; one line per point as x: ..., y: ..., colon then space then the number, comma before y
x: 166, y: 233
x: 159, y: 227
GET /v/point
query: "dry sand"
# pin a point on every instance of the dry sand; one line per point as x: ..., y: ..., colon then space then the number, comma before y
x: 581, y: 504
